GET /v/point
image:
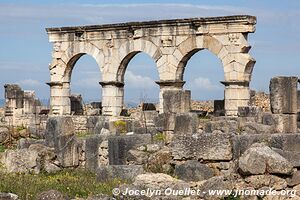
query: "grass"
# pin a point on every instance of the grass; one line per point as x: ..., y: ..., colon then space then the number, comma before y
x: 2, y: 148
x: 72, y: 183
x: 82, y: 134
x: 20, y: 128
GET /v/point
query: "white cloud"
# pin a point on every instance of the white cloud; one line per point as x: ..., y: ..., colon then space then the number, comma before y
x: 107, y: 13
x: 138, y: 81
x: 29, y: 82
x: 91, y: 82
x: 203, y: 84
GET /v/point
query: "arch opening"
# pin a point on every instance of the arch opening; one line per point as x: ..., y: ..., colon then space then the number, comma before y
x: 203, y: 71
x: 138, y: 72
x: 83, y: 75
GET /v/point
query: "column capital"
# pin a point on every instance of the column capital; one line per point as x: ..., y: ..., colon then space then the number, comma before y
x: 54, y: 83
x: 113, y: 83
x: 239, y: 83
x: 174, y: 83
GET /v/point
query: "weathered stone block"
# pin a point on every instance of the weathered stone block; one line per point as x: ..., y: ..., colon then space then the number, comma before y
x: 283, y: 95
x: 92, y: 146
x: 267, y: 119
x: 165, y: 122
x: 76, y: 104
x: 256, y: 128
x: 202, y: 146
x: 148, y: 106
x: 123, y: 172
x: 67, y: 150
x: 118, y: 146
x: 186, y: 123
x: 249, y: 111
x: 225, y: 126
x: 285, y: 123
x: 58, y: 126
x: 176, y: 101
x: 193, y: 170
x: 294, y: 180
x: 261, y: 159
x: 287, y: 145
x: 21, y: 161
x: 8, y: 196
x: 298, y: 100
x: 219, y: 107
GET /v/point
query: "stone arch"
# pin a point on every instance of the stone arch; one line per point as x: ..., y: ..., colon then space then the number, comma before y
x: 75, y: 52
x: 194, y: 44
x: 129, y: 49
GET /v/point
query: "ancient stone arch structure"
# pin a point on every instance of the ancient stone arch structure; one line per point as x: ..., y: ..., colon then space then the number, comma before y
x: 169, y: 42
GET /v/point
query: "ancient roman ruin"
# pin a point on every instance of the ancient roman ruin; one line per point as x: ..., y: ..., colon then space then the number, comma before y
x: 248, y: 140
x: 169, y: 42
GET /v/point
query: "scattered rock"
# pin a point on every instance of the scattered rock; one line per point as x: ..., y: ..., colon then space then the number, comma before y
x: 159, y: 181
x: 21, y: 161
x: 159, y: 162
x: 51, y: 195
x: 8, y: 196
x: 271, y: 181
x: 137, y: 157
x: 4, y: 133
x: 193, y: 170
x: 124, y: 172
x: 294, y: 180
x: 256, y: 128
x: 216, y: 183
x: 260, y: 159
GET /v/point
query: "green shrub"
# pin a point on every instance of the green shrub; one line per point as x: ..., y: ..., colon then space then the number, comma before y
x: 72, y: 183
x: 20, y: 128
x: 232, y: 197
x: 82, y: 134
x: 120, y: 125
x: 159, y: 137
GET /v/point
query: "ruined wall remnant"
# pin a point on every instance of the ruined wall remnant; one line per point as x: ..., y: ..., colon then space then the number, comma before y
x: 283, y: 100
x: 76, y: 104
x: 170, y: 43
x: 21, y: 107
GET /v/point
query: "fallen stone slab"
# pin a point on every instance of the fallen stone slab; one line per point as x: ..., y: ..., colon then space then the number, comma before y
x: 123, y: 172
x: 204, y: 146
x: 8, y: 196
x: 261, y: 159
x: 118, y: 146
x: 21, y: 161
x: 192, y: 170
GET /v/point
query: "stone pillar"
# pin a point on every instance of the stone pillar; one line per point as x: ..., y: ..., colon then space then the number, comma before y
x: 112, y: 98
x: 183, y: 101
x: 60, y: 103
x: 298, y: 100
x: 283, y: 101
x: 237, y: 94
x: 283, y: 95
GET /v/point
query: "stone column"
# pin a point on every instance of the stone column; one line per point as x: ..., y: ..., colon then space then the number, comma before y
x: 236, y: 94
x: 173, y: 85
x: 283, y: 101
x: 60, y: 98
x: 112, y: 98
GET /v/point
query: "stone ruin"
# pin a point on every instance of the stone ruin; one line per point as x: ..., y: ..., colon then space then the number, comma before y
x: 170, y: 43
x: 256, y: 147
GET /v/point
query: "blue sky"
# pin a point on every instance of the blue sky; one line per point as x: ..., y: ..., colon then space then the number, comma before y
x: 25, y: 51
